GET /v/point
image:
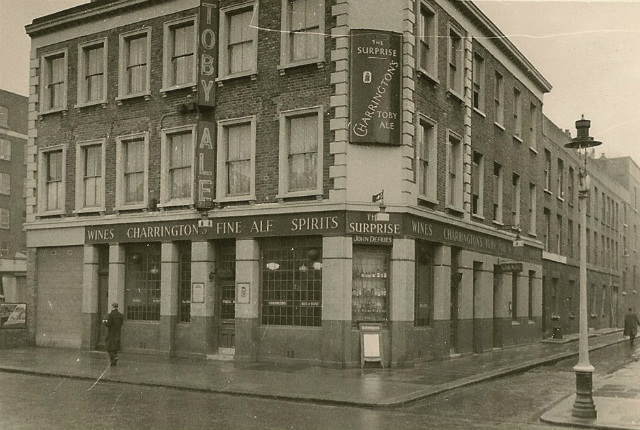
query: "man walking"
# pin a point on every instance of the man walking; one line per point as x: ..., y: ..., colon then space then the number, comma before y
x: 114, y: 326
x: 631, y: 325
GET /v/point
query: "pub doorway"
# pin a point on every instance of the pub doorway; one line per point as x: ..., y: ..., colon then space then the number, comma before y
x: 226, y: 296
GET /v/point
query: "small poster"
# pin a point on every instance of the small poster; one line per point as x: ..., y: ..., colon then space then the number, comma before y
x: 242, y: 293
x: 13, y: 315
x: 197, y: 292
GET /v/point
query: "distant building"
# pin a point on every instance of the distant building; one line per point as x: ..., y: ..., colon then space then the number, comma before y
x: 13, y: 143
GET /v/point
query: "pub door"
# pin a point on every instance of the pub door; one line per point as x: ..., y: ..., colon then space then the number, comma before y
x: 226, y: 295
x: 103, y: 295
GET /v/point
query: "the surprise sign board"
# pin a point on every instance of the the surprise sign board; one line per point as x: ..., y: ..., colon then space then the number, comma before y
x: 375, y: 84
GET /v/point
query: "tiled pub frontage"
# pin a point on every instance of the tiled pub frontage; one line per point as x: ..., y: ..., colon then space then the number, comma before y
x: 291, y: 287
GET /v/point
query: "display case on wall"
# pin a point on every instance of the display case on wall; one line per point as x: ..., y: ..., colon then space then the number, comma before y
x: 370, y: 286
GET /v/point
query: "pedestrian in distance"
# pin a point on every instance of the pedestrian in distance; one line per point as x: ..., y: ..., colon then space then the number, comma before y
x: 114, y: 326
x: 631, y: 323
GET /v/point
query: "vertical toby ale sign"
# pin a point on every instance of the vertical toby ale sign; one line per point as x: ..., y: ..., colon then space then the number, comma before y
x: 375, y: 87
x: 205, y: 132
x: 207, y: 52
x: 205, y: 159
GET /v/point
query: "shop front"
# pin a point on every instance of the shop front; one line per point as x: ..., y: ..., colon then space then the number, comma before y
x: 299, y: 287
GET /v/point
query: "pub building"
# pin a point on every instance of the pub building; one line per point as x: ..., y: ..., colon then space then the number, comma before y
x: 261, y: 195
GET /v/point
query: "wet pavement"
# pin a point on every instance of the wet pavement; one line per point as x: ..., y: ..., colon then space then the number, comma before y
x: 616, y: 398
x: 352, y: 387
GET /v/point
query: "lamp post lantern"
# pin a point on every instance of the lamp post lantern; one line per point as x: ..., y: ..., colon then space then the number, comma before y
x: 583, y: 406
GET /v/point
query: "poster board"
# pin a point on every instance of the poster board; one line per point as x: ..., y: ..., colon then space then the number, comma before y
x: 13, y: 315
x: 371, y: 347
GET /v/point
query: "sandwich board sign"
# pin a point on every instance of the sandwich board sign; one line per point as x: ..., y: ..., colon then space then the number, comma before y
x: 371, y: 349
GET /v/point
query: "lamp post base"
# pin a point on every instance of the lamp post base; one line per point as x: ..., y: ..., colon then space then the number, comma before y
x: 583, y: 407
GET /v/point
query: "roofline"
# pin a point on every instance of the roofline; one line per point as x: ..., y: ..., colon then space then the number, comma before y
x: 83, y: 12
x: 501, y: 40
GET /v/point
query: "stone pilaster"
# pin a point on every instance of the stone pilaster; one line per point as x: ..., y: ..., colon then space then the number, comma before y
x: 248, y: 314
x: 402, y: 299
x: 169, y: 295
x: 90, y: 311
x: 202, y: 314
x: 116, y: 275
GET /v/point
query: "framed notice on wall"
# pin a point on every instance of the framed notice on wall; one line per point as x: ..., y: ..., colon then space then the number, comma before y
x: 371, y: 349
x: 197, y: 292
x: 374, y: 87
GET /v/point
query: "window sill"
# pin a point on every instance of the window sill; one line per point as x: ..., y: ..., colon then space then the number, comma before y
x: 176, y: 203
x: 548, y: 192
x: 532, y: 234
x: 455, y: 209
x: 282, y: 68
x: 120, y: 99
x: 479, y: 112
x: 513, y: 322
x: 427, y: 199
x: 165, y: 90
x: 92, y: 210
x: 534, y: 150
x: 130, y: 207
x: 293, y: 194
x: 90, y: 104
x: 252, y: 74
x: 478, y: 217
x: 500, y: 126
x: 517, y: 138
x: 531, y: 322
x: 52, y: 111
x: 428, y: 75
x: 50, y: 213
x: 496, y: 222
x: 453, y: 94
x: 228, y: 199
x: 560, y: 198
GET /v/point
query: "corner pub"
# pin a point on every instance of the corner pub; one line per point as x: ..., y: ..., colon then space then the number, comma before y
x: 208, y: 177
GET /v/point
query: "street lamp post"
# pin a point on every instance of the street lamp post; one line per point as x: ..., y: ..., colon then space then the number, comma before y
x: 583, y: 407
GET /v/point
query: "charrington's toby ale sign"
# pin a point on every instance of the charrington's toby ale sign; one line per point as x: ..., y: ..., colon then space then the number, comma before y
x: 376, y: 75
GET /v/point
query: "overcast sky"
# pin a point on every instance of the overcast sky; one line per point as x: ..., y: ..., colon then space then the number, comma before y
x: 589, y: 51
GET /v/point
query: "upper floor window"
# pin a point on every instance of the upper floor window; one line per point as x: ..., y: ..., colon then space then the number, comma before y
x: 135, y: 57
x: 517, y: 114
x: 5, y: 218
x: 90, y: 188
x: 499, y: 98
x: 238, y: 40
x: 571, y: 185
x: 478, y: 82
x: 5, y: 149
x: 547, y: 170
x: 533, y: 126
x: 533, y: 207
x: 179, y: 54
x: 132, y: 167
x: 454, y: 185
x: 428, y: 41
x: 4, y: 116
x: 560, y: 182
x: 477, y: 184
x: 5, y: 183
x: 302, y: 38
x: 177, y: 165
x: 51, y: 192
x: 301, y: 152
x: 4, y: 249
x: 428, y: 160
x: 547, y: 230
x: 54, y: 81
x: 237, y: 159
x: 559, y: 235
x: 515, y: 207
x: 498, y: 183
x: 92, y: 72
x: 456, y: 65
